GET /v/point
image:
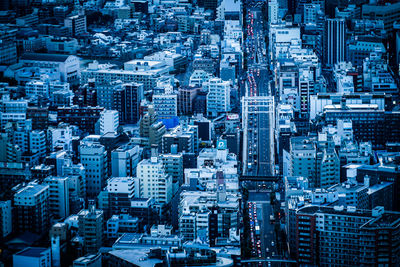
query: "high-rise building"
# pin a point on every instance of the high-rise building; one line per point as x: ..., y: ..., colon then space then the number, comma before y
x: 166, y: 105
x: 126, y: 100
x: 218, y: 97
x: 5, y: 219
x: 314, y: 159
x: 154, y: 182
x: 121, y: 190
x: 58, y: 196
x: 8, y: 52
x: 124, y: 160
x: 109, y: 121
x: 186, y: 139
x: 91, y: 229
x: 147, y: 120
x: 173, y: 165
x: 347, y: 236
x: 31, y: 204
x: 334, y: 41
x: 76, y: 24
x: 186, y: 98
x: 83, y: 117
x: 273, y: 7
x: 93, y: 157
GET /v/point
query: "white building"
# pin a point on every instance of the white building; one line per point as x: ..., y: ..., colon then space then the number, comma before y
x: 218, y: 97
x: 119, y: 224
x: 133, y: 72
x: 124, y: 185
x: 173, y: 60
x: 59, y: 196
x: 199, y: 77
x: 5, y: 218
x: 345, y: 84
x: 195, y: 208
x: 67, y: 65
x: 154, y: 182
x: 62, y: 45
x: 273, y: 8
x: 60, y: 137
x: 37, y: 142
x: 281, y: 39
x: 37, y: 88
x: 166, y: 105
x: 55, y: 86
x: 12, y: 110
x: 109, y: 121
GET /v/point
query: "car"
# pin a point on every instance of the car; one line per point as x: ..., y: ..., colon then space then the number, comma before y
x: 272, y: 243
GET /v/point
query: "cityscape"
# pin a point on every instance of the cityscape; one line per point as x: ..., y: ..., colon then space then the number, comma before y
x: 163, y: 133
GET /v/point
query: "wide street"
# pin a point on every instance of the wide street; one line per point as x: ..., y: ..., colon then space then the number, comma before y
x: 267, y: 234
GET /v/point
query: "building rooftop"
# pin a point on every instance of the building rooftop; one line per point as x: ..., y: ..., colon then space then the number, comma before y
x: 31, y: 190
x: 45, y: 57
x: 32, y: 252
x: 302, y: 143
x: 137, y: 256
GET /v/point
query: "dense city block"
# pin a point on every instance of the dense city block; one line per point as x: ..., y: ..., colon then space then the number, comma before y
x: 199, y: 133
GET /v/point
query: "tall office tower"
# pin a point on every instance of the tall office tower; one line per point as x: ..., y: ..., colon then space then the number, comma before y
x: 91, y: 229
x: 258, y: 116
x: 154, y: 182
x: 273, y: 7
x: 124, y: 160
x: 5, y: 219
x: 306, y: 88
x: 109, y: 121
x: 342, y: 236
x: 126, y: 100
x: 31, y: 204
x: 334, y: 41
x: 94, y: 158
x: 218, y: 97
x: 59, y: 196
